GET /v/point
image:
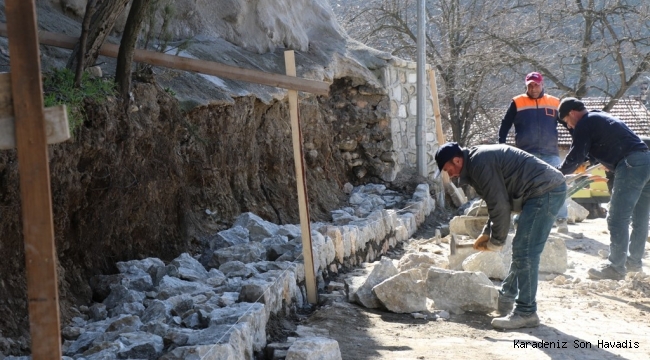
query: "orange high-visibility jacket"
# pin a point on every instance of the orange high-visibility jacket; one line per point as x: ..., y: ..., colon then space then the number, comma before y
x: 535, y: 123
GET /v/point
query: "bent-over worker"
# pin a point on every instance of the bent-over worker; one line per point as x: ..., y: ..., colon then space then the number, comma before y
x: 509, y: 179
x: 608, y: 140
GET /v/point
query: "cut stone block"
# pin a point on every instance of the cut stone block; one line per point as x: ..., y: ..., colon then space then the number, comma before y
x: 468, y: 225
x: 460, y: 291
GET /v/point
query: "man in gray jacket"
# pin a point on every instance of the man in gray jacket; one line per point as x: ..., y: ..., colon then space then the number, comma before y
x: 509, y: 179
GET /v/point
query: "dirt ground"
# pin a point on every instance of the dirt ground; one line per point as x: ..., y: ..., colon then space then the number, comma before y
x: 580, y: 318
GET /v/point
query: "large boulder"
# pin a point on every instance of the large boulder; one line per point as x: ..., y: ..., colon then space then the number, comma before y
x: 460, y: 291
x: 468, y: 225
x: 491, y: 263
x: 577, y: 213
x: 495, y: 265
x: 383, y: 269
x: 403, y: 293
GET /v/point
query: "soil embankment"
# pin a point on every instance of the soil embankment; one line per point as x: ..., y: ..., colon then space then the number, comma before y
x: 155, y: 183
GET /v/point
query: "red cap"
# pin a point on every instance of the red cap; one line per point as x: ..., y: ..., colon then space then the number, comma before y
x: 534, y: 77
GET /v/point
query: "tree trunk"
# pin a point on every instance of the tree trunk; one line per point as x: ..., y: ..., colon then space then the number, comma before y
x: 103, y: 19
x: 83, y: 40
x: 127, y: 47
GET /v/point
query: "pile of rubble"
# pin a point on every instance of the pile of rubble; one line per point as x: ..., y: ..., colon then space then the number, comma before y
x: 636, y: 285
x: 415, y: 284
x: 446, y: 273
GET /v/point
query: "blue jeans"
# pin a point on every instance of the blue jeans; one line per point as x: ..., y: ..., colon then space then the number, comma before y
x: 535, y: 223
x: 630, y: 199
x: 555, y: 161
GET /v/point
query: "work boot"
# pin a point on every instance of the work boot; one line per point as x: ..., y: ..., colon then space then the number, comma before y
x: 604, y: 272
x: 633, y: 268
x: 504, y: 306
x: 516, y: 321
x: 562, y: 226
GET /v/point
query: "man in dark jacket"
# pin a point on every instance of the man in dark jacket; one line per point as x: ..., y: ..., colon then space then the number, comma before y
x: 534, y: 116
x: 509, y: 179
x: 610, y: 142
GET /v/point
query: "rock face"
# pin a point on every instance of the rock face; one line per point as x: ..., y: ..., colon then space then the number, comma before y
x: 126, y: 182
x: 258, y: 26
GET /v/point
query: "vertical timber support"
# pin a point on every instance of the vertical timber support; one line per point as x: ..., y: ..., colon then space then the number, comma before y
x: 33, y: 167
x: 303, y: 204
x: 440, y: 135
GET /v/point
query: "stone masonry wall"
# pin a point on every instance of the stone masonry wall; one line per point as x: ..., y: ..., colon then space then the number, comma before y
x: 400, y: 80
x: 220, y: 308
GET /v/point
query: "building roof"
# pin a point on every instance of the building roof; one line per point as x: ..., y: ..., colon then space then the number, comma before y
x: 631, y: 111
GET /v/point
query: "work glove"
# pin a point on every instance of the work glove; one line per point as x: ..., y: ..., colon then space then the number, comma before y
x: 483, y: 243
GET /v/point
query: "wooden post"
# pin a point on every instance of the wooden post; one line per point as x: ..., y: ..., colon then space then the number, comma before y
x: 33, y: 167
x: 436, y: 106
x: 440, y: 135
x: 303, y: 205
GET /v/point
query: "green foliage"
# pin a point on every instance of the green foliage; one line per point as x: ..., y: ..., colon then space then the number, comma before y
x: 58, y: 88
x: 170, y: 91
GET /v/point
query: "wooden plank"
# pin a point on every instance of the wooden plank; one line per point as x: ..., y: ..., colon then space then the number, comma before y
x: 56, y: 118
x: 35, y: 193
x: 436, y: 107
x: 439, y: 133
x: 195, y: 65
x: 303, y: 204
x: 57, y: 129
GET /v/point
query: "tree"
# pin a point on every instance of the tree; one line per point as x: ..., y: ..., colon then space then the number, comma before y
x: 98, y: 22
x: 456, y: 47
x: 588, y: 48
x: 479, y: 48
x: 127, y: 48
x: 83, y: 42
x: 104, y: 14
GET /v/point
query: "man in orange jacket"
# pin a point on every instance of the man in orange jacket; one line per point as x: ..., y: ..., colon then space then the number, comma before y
x: 534, y: 116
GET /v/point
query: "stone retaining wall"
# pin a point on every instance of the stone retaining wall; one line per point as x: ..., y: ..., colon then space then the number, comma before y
x: 400, y: 79
x: 375, y: 126
x: 219, y: 311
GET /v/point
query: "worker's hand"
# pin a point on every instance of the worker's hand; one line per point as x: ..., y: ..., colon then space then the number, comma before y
x: 492, y: 247
x: 582, y: 168
x: 481, y: 243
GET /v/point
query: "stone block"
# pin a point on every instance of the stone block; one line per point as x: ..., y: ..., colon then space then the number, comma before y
x: 460, y: 291
x: 468, y: 225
